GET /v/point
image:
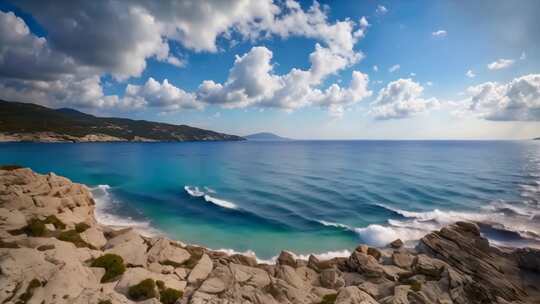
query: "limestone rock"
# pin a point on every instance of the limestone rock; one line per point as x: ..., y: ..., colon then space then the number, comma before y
x: 164, y: 252
x: 398, y: 243
x: 250, y: 275
x: 403, y: 259
x: 201, y: 270
x: 364, y: 263
x: 94, y: 237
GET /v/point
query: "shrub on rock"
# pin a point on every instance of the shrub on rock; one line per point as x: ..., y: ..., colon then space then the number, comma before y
x: 81, y: 227
x: 52, y: 219
x: 145, y: 290
x: 35, y: 228
x: 169, y: 295
x: 329, y: 299
x: 113, y: 264
x: 74, y: 237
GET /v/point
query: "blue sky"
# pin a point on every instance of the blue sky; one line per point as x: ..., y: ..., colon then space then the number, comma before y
x: 422, y: 69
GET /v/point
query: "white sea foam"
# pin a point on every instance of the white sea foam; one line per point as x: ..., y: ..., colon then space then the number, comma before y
x: 197, y: 192
x: 332, y: 224
x: 194, y: 191
x: 104, y: 213
x: 219, y: 202
x: 321, y: 256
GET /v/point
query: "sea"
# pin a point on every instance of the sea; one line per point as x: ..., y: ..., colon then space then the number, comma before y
x: 308, y: 197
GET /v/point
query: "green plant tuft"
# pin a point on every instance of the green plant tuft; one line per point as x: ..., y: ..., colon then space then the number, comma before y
x: 145, y: 290
x: 35, y: 228
x: 104, y: 302
x: 113, y: 264
x: 169, y: 295
x: 329, y: 299
x: 81, y: 227
x: 52, y: 219
x: 74, y: 237
x: 416, y: 286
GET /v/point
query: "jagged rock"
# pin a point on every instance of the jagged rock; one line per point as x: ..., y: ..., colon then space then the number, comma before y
x: 492, y: 274
x: 393, y: 272
x: 243, y: 260
x: 353, y: 295
x: 374, y: 252
x: 130, y: 246
x: 313, y: 262
x: 353, y: 278
x: 286, y: 258
x: 289, y: 275
x: 213, y: 285
x: 366, y: 264
x: 398, y: 243
x: 429, y: 266
x: 403, y: 259
x: 201, y: 271
x: 250, y: 275
x: 378, y: 290
x: 94, y: 237
x: 164, y: 252
x: 332, y: 278
x: 11, y: 219
x: 182, y: 273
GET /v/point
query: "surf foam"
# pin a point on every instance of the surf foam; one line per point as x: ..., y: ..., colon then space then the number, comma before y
x: 195, y: 191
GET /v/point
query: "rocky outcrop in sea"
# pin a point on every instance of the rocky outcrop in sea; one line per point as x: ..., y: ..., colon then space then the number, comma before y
x: 52, y: 250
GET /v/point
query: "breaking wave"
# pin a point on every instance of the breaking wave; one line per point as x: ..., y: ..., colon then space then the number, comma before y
x: 107, y: 207
x: 195, y: 191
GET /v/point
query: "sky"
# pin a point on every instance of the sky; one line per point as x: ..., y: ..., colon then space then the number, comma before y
x: 303, y: 69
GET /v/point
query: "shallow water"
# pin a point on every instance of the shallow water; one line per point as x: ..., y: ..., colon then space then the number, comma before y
x: 305, y: 196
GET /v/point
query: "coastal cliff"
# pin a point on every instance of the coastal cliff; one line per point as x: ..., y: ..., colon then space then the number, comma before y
x: 53, y: 250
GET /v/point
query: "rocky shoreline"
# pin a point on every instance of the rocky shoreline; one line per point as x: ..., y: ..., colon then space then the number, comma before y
x: 52, y: 250
x: 52, y: 137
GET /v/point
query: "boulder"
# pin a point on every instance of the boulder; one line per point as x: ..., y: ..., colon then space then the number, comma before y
x: 94, y: 237
x: 332, y: 278
x: 366, y: 264
x: 286, y: 258
x: 528, y: 258
x: 213, y: 286
x: 130, y: 246
x: 165, y: 252
x: 398, y: 243
x: 402, y: 259
x: 249, y: 275
x: 201, y: 270
x: 289, y: 275
x: 353, y: 295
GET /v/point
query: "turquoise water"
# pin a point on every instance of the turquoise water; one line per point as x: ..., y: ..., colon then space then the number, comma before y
x: 305, y: 196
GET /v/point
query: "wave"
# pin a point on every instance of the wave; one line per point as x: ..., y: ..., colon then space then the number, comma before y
x: 500, y: 221
x: 332, y: 224
x: 321, y: 256
x: 106, y: 205
x: 219, y: 202
x: 195, y: 191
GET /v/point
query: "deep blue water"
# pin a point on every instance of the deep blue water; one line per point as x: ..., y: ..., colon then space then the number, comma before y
x: 305, y: 196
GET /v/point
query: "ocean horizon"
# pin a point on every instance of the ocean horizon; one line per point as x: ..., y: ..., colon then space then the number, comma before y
x: 322, y: 197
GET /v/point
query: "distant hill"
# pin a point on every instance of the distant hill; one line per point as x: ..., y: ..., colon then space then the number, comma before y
x: 266, y: 136
x: 31, y: 122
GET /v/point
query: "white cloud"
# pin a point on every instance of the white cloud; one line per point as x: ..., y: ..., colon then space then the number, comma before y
x: 252, y: 82
x: 500, y: 64
x: 523, y: 56
x: 375, y: 68
x: 381, y: 10
x: 429, y: 83
x: 439, y: 33
x: 163, y: 95
x: 470, y: 74
x: 81, y: 48
x: 401, y: 99
x: 394, y: 68
x: 412, y: 74
x: 517, y: 100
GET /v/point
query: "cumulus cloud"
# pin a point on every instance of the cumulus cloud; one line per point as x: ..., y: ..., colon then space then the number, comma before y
x: 394, y: 68
x: 517, y: 100
x: 439, y: 33
x: 470, y: 74
x: 500, y: 64
x: 82, y: 45
x: 375, y: 68
x: 401, y: 99
x: 252, y: 82
x: 162, y: 95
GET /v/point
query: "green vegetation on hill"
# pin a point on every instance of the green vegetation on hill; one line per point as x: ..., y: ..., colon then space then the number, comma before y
x: 17, y: 117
